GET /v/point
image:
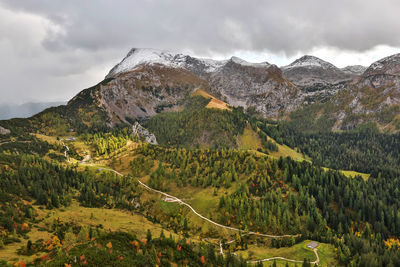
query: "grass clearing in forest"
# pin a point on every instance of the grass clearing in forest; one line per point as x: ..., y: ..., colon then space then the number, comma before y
x: 352, y: 174
x: 48, y: 139
x: 298, y: 252
x: 110, y: 219
x: 9, y: 252
x: 285, y: 151
x: 249, y: 140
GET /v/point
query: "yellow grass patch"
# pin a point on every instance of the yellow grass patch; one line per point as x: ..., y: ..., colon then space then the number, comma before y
x: 111, y: 219
x: 9, y: 252
x: 353, y: 174
x: 249, y: 140
x: 214, y: 103
x: 285, y: 151
x: 49, y: 139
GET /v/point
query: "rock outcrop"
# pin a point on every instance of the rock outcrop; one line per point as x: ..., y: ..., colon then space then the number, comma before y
x: 4, y: 131
x: 138, y: 131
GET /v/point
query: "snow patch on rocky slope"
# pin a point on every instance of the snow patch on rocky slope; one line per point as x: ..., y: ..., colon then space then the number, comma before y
x: 354, y: 69
x: 138, y: 57
x: 309, y: 62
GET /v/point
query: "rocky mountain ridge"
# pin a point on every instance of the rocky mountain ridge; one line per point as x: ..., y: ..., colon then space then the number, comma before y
x: 148, y: 81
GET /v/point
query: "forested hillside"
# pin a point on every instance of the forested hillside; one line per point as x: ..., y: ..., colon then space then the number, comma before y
x: 197, y: 126
x: 215, y: 191
x: 285, y: 196
x: 363, y: 149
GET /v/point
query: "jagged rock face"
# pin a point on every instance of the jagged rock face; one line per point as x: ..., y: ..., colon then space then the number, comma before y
x: 261, y: 86
x: 4, y: 131
x: 143, y: 134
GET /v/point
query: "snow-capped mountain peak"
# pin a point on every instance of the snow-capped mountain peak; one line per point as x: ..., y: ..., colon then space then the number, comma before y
x: 138, y: 57
x: 141, y: 56
x: 310, y: 62
x: 243, y: 62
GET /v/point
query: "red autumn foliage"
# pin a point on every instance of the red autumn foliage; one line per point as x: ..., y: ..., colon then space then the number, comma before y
x: 44, y: 257
x: 203, y: 260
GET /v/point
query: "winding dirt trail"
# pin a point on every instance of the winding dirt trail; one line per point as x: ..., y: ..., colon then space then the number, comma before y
x: 175, y: 199
x: 66, y: 150
x: 8, y: 142
x: 290, y: 260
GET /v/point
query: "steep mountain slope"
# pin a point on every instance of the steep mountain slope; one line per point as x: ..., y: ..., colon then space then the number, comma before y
x: 146, y: 91
x: 255, y: 85
x: 383, y: 73
x: 372, y: 97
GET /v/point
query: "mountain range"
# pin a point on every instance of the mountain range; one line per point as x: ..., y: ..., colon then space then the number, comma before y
x: 148, y: 81
x: 314, y: 93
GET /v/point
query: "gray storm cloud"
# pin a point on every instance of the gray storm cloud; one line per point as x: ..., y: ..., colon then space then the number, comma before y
x: 72, y: 43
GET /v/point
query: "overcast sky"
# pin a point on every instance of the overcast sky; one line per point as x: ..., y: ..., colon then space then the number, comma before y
x: 52, y: 49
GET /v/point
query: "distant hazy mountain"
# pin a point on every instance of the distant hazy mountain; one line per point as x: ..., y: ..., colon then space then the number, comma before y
x: 8, y: 111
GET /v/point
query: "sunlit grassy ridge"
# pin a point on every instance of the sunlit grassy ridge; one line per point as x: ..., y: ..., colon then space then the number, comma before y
x: 214, y: 102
